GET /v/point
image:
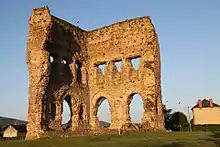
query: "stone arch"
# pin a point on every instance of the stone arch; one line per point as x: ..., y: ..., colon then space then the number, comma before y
x: 72, y: 101
x: 130, y: 98
x: 148, y: 119
x: 97, y: 106
x: 96, y: 102
x: 73, y: 123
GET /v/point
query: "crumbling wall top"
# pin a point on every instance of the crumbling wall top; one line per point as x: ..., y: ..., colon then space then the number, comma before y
x: 66, y: 24
x: 41, y: 11
x: 127, y: 38
x: 122, y: 26
x: 123, y: 23
x: 45, y: 11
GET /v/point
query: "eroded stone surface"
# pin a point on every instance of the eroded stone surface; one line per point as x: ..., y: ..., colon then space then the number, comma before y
x: 63, y: 65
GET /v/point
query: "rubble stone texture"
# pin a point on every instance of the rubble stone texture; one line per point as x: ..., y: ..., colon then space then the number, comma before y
x: 63, y: 63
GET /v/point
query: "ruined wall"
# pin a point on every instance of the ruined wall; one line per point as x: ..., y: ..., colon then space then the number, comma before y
x: 56, y: 62
x: 63, y: 65
x: 123, y: 42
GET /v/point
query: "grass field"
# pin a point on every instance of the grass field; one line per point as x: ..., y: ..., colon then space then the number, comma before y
x: 149, y: 139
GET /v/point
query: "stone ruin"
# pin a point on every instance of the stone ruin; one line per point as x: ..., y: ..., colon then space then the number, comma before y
x: 63, y: 63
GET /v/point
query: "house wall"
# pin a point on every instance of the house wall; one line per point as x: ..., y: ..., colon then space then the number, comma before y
x: 206, y: 116
x: 10, y: 132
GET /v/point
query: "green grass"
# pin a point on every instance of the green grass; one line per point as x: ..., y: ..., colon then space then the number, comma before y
x: 149, y: 139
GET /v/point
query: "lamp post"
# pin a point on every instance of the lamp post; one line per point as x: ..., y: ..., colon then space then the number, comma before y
x: 166, y: 104
x: 190, y: 127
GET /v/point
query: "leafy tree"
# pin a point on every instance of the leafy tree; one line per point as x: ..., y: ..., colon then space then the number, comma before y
x: 191, y: 121
x: 179, y: 122
x: 167, y: 117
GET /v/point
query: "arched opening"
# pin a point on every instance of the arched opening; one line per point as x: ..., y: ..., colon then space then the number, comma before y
x: 66, y: 113
x: 79, y: 72
x: 136, y: 108
x: 104, y: 115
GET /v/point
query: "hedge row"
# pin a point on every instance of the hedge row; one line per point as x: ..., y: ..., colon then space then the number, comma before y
x: 206, y: 128
x: 12, y: 138
x: 186, y: 127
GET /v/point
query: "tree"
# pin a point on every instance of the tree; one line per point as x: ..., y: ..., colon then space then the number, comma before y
x: 179, y: 122
x: 167, y: 117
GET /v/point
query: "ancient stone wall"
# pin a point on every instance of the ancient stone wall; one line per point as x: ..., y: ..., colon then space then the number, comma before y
x: 122, y: 42
x: 63, y: 62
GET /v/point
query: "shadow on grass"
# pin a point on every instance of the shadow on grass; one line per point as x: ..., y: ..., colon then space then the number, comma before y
x: 174, y: 144
x: 214, y: 137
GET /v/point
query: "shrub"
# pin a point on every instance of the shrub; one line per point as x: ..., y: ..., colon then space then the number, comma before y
x: 185, y: 127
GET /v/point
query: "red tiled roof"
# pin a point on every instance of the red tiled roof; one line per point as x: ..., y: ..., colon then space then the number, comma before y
x: 205, y: 103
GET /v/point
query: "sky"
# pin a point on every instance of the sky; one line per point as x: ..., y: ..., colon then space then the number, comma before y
x: 188, y: 32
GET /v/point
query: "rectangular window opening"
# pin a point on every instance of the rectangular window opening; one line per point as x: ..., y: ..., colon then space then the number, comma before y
x: 118, y: 65
x: 52, y: 58
x: 102, y: 68
x: 135, y: 62
x: 65, y: 60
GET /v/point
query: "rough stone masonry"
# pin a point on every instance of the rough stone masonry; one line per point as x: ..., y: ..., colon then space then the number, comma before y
x: 63, y: 63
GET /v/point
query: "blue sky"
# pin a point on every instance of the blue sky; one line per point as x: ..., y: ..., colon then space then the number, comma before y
x: 188, y: 32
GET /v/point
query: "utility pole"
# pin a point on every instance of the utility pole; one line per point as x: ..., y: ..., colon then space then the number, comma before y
x: 190, y: 127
